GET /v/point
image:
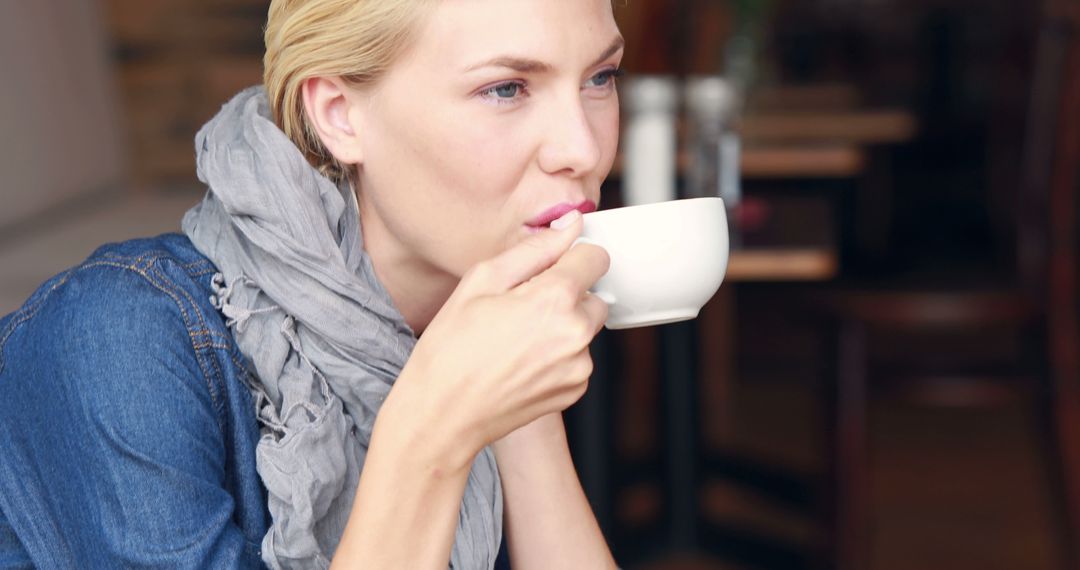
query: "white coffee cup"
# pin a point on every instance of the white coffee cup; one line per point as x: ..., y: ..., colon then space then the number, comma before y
x: 667, y: 259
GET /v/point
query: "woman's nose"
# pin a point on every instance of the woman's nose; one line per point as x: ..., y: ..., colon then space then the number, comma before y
x: 570, y: 146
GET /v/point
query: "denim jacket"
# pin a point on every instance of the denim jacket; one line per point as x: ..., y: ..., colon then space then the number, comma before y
x: 127, y: 434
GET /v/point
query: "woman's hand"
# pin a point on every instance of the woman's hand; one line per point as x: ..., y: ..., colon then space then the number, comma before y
x: 511, y: 344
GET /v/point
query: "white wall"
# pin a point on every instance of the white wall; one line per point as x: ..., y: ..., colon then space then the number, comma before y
x: 59, y: 136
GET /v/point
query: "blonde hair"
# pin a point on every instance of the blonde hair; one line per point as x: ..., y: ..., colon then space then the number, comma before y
x: 356, y: 40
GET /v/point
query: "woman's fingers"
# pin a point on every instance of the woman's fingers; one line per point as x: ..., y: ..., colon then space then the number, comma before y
x: 596, y: 311
x: 528, y: 258
x: 518, y: 328
x: 582, y: 266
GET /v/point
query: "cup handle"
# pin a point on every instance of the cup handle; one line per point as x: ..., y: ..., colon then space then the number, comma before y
x: 603, y: 295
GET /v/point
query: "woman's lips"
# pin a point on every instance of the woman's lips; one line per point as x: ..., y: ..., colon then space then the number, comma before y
x: 555, y: 212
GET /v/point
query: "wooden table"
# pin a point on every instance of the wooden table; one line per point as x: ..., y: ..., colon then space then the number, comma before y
x: 793, y: 263
x: 795, y: 243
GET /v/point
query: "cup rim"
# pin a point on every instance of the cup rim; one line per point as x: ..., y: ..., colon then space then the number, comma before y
x: 667, y: 203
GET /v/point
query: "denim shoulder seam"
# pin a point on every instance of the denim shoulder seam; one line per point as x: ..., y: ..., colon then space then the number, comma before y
x: 199, y: 267
x: 135, y: 265
x: 196, y: 336
x: 27, y: 312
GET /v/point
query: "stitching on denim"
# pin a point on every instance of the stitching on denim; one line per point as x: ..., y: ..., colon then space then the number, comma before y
x: 205, y: 345
x: 242, y: 366
x: 152, y: 273
x: 246, y: 377
x: 149, y: 258
x: 195, y: 335
x: 194, y: 265
x: 251, y: 382
x: 149, y: 267
x: 146, y: 259
x: 27, y: 312
x: 215, y: 397
x: 30, y: 311
x: 222, y: 412
x: 205, y: 330
x: 143, y: 271
x: 170, y: 288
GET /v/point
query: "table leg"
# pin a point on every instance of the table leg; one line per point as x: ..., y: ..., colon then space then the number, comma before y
x: 679, y: 378
x: 850, y: 449
x: 592, y: 441
x: 716, y: 324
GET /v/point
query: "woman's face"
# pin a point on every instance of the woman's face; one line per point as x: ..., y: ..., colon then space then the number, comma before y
x: 500, y: 115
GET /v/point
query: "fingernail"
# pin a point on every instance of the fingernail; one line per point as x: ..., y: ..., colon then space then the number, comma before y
x: 566, y: 220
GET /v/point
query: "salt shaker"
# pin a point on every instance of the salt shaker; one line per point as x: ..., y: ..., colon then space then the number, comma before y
x: 712, y: 106
x: 649, y: 139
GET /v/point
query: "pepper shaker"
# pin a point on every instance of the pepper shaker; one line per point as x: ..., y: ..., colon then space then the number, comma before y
x: 712, y: 106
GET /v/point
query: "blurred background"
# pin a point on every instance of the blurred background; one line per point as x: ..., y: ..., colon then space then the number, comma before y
x: 888, y: 378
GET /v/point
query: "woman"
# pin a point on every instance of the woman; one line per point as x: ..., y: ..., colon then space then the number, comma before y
x: 394, y: 209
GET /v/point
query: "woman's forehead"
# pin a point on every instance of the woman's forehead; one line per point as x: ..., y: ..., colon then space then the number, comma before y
x: 465, y: 35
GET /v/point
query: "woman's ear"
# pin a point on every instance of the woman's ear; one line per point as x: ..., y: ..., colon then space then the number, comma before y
x: 329, y: 107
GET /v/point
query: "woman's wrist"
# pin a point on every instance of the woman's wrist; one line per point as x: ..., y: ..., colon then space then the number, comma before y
x: 405, y: 422
x: 406, y: 506
x: 548, y: 521
x: 546, y: 432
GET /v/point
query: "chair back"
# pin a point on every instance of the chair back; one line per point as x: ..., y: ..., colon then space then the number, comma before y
x: 1046, y: 224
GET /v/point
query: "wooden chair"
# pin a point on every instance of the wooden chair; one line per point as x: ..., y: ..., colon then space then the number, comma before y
x: 1040, y: 306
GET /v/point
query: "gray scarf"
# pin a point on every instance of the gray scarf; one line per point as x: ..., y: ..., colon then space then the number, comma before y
x: 326, y: 342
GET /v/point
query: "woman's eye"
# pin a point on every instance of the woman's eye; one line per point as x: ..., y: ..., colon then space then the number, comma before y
x: 604, y: 78
x: 504, y: 92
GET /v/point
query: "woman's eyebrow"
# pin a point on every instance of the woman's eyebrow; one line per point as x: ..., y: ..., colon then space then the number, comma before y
x: 617, y: 44
x: 519, y: 64
x: 525, y: 65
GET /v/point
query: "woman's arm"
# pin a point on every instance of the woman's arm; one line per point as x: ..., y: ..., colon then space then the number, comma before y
x: 510, y: 345
x: 548, y: 521
x: 410, y: 482
x: 121, y: 445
